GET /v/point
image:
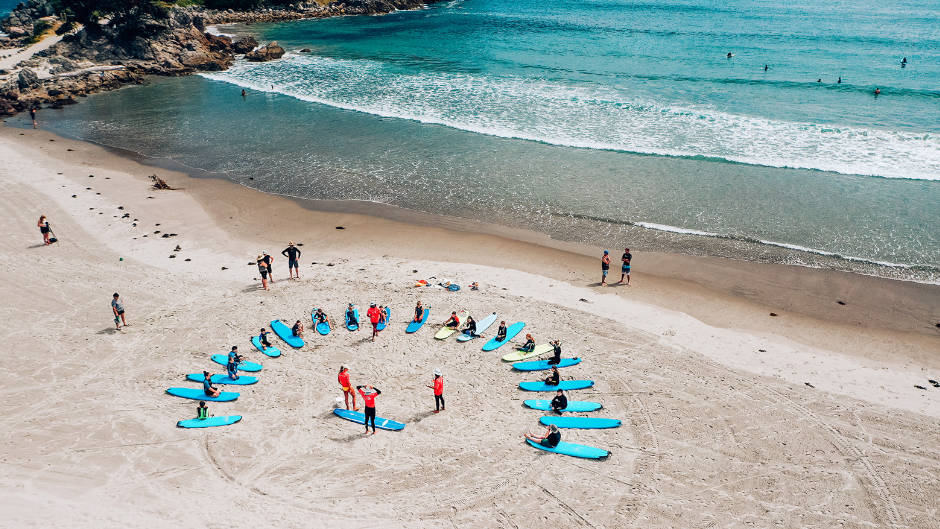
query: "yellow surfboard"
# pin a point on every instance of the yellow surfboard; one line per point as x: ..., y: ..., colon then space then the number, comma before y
x: 445, y: 332
x: 539, y: 350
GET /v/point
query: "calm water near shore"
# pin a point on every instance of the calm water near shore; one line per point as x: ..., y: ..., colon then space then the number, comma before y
x: 609, y: 123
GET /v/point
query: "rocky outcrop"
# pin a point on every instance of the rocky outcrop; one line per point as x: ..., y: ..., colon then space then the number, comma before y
x: 244, y: 44
x: 268, y: 52
x: 19, y: 23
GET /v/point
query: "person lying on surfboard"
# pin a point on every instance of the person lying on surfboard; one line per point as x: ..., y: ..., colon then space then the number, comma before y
x: 343, y: 379
x: 351, y: 316
x: 529, y: 344
x: 560, y: 402
x: 202, y: 411
x: 298, y: 329
x: 554, y: 378
x: 207, y: 385
x: 550, y: 439
x: 322, y: 317
x: 453, y: 322
x: 556, y: 358
x: 471, y: 328
x: 419, y: 312
x: 263, y: 338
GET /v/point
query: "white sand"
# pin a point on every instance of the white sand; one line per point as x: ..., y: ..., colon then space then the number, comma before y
x: 715, y: 433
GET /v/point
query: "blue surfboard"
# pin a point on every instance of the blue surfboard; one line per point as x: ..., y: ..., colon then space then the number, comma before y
x: 353, y: 325
x: 541, y: 365
x: 573, y: 405
x: 272, y: 351
x: 574, y: 450
x: 242, y: 380
x: 511, y: 333
x: 564, y: 384
x: 359, y: 417
x: 244, y: 366
x: 482, y: 325
x: 382, y: 324
x: 223, y: 420
x: 283, y: 332
x: 415, y: 325
x: 199, y: 394
x: 580, y: 422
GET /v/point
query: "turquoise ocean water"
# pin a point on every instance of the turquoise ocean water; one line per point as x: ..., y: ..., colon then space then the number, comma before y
x: 606, y: 122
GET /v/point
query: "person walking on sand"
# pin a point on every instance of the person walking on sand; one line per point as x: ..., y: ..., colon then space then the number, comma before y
x: 419, y: 312
x: 33, y: 110
x: 298, y: 329
x: 263, y: 270
x: 369, y: 394
x: 44, y: 229
x: 560, y: 402
x: 438, y: 386
x: 375, y: 316
x: 625, y: 268
x: 549, y: 439
x: 343, y: 379
x: 293, y: 259
x: 207, y: 386
x: 117, y: 307
x: 605, y: 267
x: 269, y: 261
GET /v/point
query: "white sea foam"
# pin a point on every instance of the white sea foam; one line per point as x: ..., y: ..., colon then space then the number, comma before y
x: 593, y: 117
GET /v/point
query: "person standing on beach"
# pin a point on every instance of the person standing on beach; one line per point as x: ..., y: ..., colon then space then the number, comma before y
x: 118, y: 309
x: 269, y: 261
x: 33, y: 110
x: 375, y: 316
x: 605, y: 267
x: 293, y: 259
x: 44, y: 229
x: 438, y: 386
x: 343, y: 379
x: 625, y: 268
x: 263, y: 270
x: 369, y: 394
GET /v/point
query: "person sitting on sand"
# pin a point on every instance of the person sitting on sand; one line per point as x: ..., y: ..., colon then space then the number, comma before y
x: 471, y: 328
x: 369, y: 394
x: 453, y: 322
x: 321, y: 317
x: 44, y: 229
x: 529, y: 344
x: 556, y: 356
x: 554, y: 378
x: 207, y: 386
x: 351, y: 316
x: 438, y: 386
x: 263, y: 338
x: 550, y: 439
x: 233, y: 361
x: 343, y: 379
x: 474, y: 286
x: 263, y: 270
x: 293, y: 259
x: 298, y: 329
x: 419, y: 312
x: 501, y: 331
x: 202, y: 411
x: 560, y: 402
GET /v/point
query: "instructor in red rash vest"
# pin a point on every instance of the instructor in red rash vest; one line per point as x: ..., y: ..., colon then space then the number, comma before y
x: 375, y: 316
x: 369, y: 395
x: 438, y: 386
x: 343, y: 379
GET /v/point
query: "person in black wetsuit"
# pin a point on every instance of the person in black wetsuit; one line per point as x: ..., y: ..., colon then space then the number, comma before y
x: 560, y: 402
x: 554, y: 378
x: 419, y: 312
x: 293, y: 259
x: 471, y: 328
x: 556, y: 357
x: 263, y: 338
x: 551, y: 438
x: 298, y: 329
x: 529, y: 344
x: 369, y: 395
x: 501, y: 331
x: 351, y: 316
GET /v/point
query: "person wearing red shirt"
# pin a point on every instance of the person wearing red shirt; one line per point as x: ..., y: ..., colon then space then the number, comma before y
x: 438, y: 386
x: 369, y: 395
x: 375, y: 316
x: 343, y: 379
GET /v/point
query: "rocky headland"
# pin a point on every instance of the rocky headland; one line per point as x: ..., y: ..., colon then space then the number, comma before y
x: 48, y: 61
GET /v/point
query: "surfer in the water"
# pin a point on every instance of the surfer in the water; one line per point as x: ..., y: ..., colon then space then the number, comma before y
x: 554, y: 378
x: 375, y: 316
x: 605, y: 267
x: 207, y: 387
x: 368, y: 395
x: 419, y: 312
x: 471, y: 328
x: 293, y: 259
x: 556, y: 356
x: 438, y: 386
x: 298, y: 329
x: 560, y: 402
x: 840, y: 80
x: 202, y: 411
x: 550, y: 439
x: 453, y: 322
x: 529, y: 344
x: 730, y: 55
x: 904, y: 62
x: 343, y: 379
x: 263, y: 338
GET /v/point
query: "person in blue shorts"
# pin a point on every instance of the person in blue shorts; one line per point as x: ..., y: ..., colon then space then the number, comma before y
x: 625, y: 268
x: 293, y: 259
x: 605, y: 267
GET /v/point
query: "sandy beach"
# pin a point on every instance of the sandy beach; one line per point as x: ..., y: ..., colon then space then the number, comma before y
x: 731, y: 417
